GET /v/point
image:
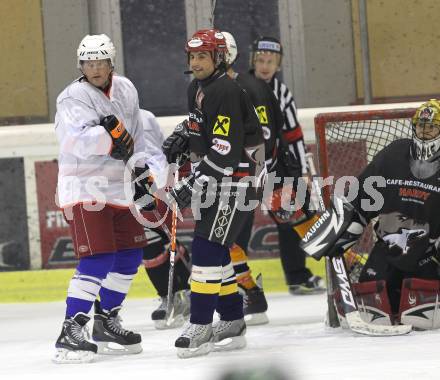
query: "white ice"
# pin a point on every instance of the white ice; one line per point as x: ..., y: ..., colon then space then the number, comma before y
x: 295, y: 340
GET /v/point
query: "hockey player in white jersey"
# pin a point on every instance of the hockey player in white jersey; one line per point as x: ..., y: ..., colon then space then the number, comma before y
x: 98, y: 128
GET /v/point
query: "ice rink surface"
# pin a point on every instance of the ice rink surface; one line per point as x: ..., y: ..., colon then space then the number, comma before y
x: 295, y: 340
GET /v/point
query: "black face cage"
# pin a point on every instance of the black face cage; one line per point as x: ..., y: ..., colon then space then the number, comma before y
x: 435, y: 124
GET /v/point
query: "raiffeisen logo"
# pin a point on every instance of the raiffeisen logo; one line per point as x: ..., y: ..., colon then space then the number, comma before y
x: 317, y: 224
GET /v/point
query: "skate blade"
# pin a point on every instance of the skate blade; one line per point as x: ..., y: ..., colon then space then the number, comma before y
x: 304, y: 291
x: 64, y: 356
x: 112, y: 348
x: 173, y: 323
x: 256, y: 319
x: 229, y: 344
x: 185, y: 353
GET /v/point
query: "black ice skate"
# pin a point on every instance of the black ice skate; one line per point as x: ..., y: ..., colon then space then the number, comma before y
x: 195, y: 340
x: 72, y: 345
x: 229, y: 335
x: 179, y: 314
x: 313, y: 285
x: 110, y: 336
x: 255, y: 304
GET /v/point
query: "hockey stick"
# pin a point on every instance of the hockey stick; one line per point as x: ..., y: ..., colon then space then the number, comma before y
x: 170, y: 295
x: 333, y: 320
x: 169, y: 234
x: 349, y: 305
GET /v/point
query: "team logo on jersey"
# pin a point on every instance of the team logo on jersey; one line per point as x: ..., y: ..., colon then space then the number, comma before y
x: 266, y: 133
x: 222, y: 125
x: 222, y: 147
x: 262, y: 114
x: 193, y: 127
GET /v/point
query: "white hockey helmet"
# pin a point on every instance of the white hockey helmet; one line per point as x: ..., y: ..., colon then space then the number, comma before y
x: 95, y: 47
x: 231, y: 45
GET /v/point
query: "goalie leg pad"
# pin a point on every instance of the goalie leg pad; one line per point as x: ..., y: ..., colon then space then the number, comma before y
x: 373, y: 302
x: 419, y: 303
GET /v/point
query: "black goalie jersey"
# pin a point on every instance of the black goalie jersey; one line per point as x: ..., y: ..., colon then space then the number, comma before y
x: 405, y: 205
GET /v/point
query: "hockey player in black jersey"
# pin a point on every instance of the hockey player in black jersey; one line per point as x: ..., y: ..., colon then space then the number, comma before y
x: 265, y: 60
x: 156, y: 257
x: 270, y: 117
x: 226, y: 151
x: 400, y: 280
x: 271, y: 120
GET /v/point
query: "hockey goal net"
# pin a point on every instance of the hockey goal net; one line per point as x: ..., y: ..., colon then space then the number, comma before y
x: 346, y: 142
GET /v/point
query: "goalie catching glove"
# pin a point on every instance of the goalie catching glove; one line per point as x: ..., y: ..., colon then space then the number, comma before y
x: 337, y: 229
x: 407, y: 247
x: 144, y: 189
x: 123, y: 144
x: 176, y: 146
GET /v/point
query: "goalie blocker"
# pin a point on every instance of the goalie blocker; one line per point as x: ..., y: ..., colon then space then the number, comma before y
x: 336, y: 230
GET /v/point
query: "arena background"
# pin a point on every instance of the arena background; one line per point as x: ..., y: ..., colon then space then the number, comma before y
x: 322, y: 64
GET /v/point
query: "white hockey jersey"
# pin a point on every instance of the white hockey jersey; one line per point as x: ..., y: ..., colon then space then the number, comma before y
x: 87, y: 172
x: 154, y: 138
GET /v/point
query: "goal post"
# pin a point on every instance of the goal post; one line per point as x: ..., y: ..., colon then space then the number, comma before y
x: 345, y: 143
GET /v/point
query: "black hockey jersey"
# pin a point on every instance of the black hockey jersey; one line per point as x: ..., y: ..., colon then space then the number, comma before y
x: 225, y: 134
x: 404, y: 204
x: 269, y: 113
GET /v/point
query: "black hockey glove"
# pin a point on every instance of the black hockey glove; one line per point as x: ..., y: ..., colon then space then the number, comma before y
x: 291, y: 166
x: 176, y: 146
x: 144, y: 189
x: 123, y: 144
x: 183, y: 191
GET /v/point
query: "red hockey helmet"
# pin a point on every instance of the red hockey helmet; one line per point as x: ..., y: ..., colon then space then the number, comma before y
x: 211, y: 40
